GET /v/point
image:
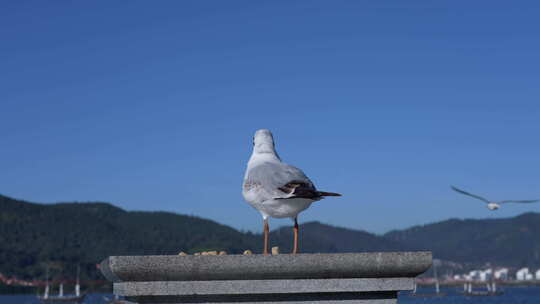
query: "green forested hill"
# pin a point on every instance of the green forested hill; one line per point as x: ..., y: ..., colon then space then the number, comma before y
x: 70, y: 233
x: 65, y: 235
x: 509, y: 241
x: 317, y: 237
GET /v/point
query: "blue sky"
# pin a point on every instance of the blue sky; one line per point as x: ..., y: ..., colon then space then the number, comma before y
x: 152, y: 105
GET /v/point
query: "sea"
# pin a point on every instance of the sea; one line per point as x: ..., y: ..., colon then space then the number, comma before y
x: 511, y: 295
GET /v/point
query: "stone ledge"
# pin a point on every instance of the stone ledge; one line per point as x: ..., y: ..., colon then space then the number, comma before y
x: 259, y: 267
x: 305, y: 298
x: 233, y: 287
x: 373, y: 278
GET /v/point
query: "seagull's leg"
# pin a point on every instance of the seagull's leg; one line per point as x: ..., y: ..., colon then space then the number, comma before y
x: 295, y: 248
x: 266, y: 231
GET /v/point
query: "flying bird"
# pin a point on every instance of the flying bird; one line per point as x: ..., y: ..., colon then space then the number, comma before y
x: 492, y: 205
x: 275, y: 188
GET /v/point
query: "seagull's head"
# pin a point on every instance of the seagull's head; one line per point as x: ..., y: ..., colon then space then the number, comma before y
x: 493, y: 206
x: 263, y: 141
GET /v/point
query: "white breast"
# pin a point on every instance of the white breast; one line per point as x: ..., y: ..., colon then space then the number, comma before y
x: 282, y: 208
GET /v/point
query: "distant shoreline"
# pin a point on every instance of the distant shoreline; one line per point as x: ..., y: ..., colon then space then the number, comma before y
x: 107, y: 288
x: 479, y: 284
x: 20, y: 290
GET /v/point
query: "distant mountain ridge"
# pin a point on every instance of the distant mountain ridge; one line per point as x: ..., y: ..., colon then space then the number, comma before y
x: 318, y: 237
x: 508, y: 241
x: 69, y: 233
x: 66, y: 234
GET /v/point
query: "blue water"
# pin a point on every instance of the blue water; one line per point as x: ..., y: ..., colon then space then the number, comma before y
x: 31, y: 299
x: 512, y: 295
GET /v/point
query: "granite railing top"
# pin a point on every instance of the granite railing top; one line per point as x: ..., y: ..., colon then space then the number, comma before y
x: 260, y: 267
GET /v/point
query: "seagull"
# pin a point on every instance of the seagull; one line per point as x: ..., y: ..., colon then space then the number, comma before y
x: 493, y: 205
x: 275, y: 188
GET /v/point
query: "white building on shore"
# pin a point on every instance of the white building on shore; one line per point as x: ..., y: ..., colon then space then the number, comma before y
x: 478, y: 275
x: 524, y: 275
x: 501, y: 274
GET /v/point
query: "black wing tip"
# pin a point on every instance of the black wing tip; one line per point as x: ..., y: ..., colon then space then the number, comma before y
x: 519, y: 201
x: 322, y: 193
x: 457, y: 189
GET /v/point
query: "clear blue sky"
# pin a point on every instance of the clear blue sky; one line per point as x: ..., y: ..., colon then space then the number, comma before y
x: 152, y: 105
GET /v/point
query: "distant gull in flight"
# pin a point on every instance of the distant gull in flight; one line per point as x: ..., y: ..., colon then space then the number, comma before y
x: 492, y: 205
x: 275, y: 188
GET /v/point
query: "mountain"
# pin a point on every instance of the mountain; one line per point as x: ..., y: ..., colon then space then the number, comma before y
x: 508, y: 241
x: 317, y: 237
x: 62, y: 236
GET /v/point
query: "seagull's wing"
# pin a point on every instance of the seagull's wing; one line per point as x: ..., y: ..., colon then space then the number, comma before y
x: 469, y: 194
x: 521, y: 202
x: 279, y: 181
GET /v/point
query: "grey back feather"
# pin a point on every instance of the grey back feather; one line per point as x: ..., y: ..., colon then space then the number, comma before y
x: 269, y: 177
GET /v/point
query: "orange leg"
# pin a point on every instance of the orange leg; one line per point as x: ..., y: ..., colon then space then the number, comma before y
x: 266, y: 232
x: 295, y: 248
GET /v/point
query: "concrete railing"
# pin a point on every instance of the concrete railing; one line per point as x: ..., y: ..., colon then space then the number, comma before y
x: 303, y: 278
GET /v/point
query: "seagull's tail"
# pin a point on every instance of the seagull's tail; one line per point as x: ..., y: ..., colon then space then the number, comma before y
x: 322, y: 193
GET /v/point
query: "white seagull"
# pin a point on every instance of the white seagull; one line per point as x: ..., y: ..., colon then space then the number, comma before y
x: 492, y: 205
x: 276, y: 189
